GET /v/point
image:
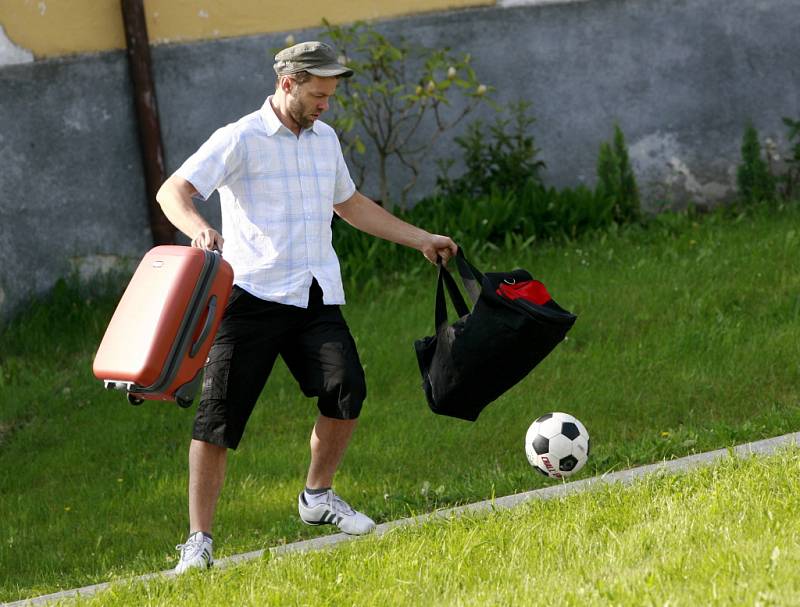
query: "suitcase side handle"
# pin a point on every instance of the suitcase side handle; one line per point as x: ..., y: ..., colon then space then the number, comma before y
x: 211, y: 313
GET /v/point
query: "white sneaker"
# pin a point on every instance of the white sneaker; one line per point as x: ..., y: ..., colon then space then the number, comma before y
x: 196, y: 553
x: 335, y: 511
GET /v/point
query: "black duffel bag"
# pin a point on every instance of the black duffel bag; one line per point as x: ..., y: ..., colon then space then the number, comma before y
x: 512, y: 327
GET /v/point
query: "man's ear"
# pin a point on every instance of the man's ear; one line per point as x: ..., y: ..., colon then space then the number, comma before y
x: 287, y: 83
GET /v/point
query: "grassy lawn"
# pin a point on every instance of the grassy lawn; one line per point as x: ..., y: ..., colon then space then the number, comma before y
x: 724, y: 535
x: 688, y: 339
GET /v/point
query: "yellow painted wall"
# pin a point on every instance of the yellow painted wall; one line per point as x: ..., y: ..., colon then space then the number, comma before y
x: 50, y: 28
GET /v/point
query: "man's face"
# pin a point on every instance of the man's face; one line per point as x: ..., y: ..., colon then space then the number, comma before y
x: 306, y: 102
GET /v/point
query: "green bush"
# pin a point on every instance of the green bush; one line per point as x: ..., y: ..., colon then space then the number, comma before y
x: 499, y: 218
x: 500, y: 199
x: 790, y: 181
x: 501, y: 157
x: 755, y: 181
x: 615, y: 178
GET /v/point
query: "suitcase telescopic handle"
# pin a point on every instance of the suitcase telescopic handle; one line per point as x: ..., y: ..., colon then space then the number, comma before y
x: 212, y: 309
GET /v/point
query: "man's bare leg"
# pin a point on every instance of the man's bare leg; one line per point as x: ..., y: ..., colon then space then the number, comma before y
x: 206, y: 476
x: 317, y: 504
x: 329, y: 440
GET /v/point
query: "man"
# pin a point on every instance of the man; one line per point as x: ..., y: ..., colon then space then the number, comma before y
x: 281, y: 176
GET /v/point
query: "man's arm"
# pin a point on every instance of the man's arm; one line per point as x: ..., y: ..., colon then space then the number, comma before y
x: 363, y: 214
x: 175, y: 198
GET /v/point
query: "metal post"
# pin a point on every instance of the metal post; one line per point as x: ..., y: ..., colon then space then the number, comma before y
x: 147, y: 116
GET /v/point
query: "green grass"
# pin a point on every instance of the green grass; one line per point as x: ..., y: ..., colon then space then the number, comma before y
x: 688, y: 339
x: 722, y: 535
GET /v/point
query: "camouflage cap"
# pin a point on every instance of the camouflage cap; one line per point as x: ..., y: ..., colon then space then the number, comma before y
x: 314, y: 57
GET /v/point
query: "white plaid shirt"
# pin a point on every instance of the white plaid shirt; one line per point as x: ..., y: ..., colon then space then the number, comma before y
x: 277, y: 193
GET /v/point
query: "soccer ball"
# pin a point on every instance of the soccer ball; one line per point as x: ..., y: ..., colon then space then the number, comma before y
x: 557, y: 445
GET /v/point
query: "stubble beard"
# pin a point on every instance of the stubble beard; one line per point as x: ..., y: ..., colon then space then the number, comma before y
x: 299, y: 114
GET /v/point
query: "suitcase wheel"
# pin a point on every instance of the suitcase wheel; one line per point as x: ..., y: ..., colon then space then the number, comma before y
x: 135, y: 400
x: 184, y: 403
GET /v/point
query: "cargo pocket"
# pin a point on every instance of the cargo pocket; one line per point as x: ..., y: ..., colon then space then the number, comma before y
x: 217, y: 370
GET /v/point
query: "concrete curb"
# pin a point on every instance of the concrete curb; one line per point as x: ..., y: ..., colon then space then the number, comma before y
x: 762, y: 447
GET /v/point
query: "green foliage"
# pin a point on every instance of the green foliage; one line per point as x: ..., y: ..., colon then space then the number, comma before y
x: 500, y: 196
x: 755, y: 181
x: 791, y: 179
x: 615, y: 178
x: 501, y: 158
x: 496, y: 219
x: 401, y: 99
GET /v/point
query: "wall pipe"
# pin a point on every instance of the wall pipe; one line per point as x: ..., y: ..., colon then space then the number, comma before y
x: 152, y: 148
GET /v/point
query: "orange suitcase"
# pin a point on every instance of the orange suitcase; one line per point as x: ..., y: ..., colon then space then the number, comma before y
x: 158, y: 339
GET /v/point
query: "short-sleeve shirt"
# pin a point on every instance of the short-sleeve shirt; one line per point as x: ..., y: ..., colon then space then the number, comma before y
x: 277, y: 193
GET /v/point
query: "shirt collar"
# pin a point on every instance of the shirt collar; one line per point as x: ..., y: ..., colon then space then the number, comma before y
x: 272, y: 123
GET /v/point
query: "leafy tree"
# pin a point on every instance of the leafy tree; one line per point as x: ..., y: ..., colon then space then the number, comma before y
x: 400, y: 99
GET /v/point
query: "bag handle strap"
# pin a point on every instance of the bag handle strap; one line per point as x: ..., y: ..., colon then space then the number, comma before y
x: 470, y: 276
x: 446, y: 280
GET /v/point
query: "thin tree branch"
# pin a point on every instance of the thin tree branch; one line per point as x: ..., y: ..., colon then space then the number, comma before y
x: 410, y: 132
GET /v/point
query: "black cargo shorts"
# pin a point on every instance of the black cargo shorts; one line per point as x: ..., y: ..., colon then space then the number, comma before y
x: 314, y: 342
